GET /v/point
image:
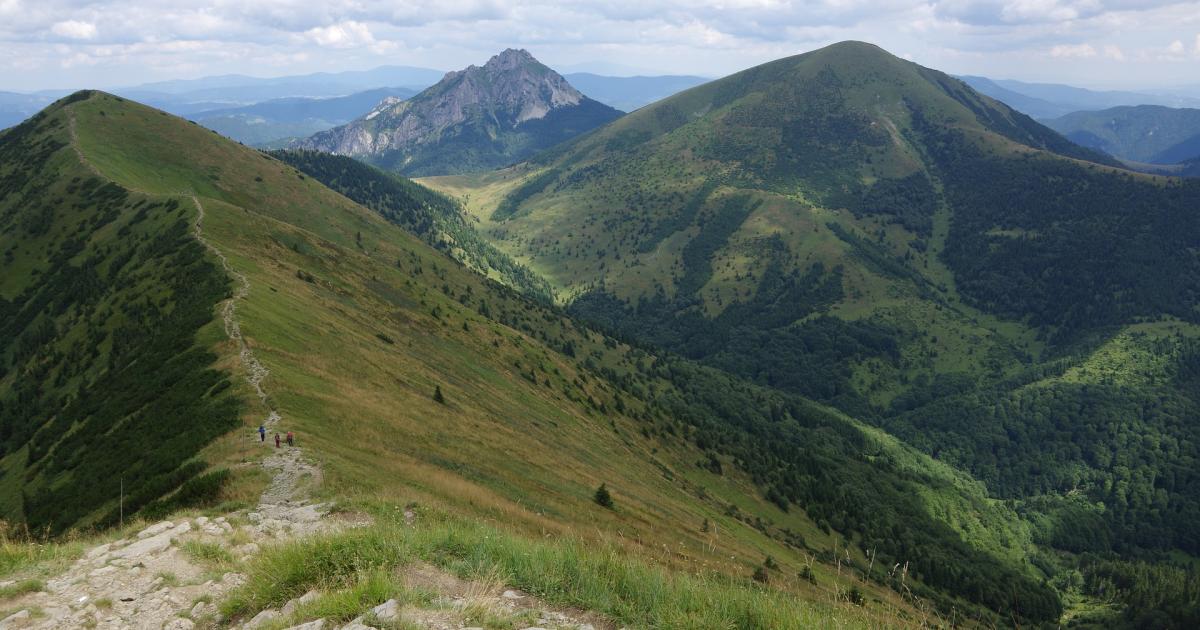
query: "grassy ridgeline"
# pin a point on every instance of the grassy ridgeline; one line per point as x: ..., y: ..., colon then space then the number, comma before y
x: 359, y: 569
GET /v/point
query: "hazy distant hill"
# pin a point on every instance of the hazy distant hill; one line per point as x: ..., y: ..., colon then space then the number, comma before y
x: 1145, y: 133
x: 16, y: 107
x: 280, y: 119
x: 630, y: 93
x: 1052, y: 100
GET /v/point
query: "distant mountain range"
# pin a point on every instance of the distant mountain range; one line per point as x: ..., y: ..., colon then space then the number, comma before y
x: 630, y: 93
x: 1145, y: 133
x: 188, y: 97
x: 16, y: 107
x: 1052, y: 100
x: 474, y: 119
x: 301, y: 105
x: 278, y: 120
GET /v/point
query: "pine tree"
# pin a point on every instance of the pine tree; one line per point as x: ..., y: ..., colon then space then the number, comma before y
x: 603, y: 498
x: 806, y: 574
x: 437, y: 394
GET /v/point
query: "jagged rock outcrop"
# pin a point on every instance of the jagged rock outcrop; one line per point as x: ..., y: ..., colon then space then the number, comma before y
x: 479, y: 118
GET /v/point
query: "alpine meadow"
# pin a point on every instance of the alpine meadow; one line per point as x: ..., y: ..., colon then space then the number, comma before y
x: 833, y: 341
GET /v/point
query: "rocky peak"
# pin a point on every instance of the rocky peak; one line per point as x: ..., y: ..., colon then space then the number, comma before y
x: 510, y: 59
x: 489, y: 101
x: 515, y: 80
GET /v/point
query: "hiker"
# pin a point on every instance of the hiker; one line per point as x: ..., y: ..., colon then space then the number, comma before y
x: 276, y: 440
x: 291, y: 439
x: 262, y: 433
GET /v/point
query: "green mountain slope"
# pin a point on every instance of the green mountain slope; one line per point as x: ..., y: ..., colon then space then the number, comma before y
x: 803, y: 187
x: 861, y: 230
x: 435, y: 218
x: 106, y: 300
x: 359, y: 324
x: 1142, y: 133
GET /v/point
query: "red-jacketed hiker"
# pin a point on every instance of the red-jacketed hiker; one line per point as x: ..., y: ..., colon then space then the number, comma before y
x: 291, y: 439
x: 276, y: 440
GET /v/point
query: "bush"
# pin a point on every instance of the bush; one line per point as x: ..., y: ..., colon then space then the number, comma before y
x: 603, y: 498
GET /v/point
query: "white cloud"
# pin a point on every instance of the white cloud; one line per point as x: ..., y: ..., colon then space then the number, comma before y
x: 347, y: 34
x: 1032, y: 39
x: 74, y: 29
x: 1073, y: 51
x: 996, y: 12
x: 1176, y: 49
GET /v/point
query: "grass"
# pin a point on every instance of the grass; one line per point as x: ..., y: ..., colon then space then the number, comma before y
x: 360, y: 566
x: 22, y: 587
x: 355, y: 597
x: 208, y: 553
x: 45, y: 557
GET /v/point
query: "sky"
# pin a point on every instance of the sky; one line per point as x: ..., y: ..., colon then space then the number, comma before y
x: 1142, y: 44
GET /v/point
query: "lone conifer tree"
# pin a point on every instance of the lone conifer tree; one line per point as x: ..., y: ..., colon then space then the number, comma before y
x: 603, y: 498
x: 437, y: 394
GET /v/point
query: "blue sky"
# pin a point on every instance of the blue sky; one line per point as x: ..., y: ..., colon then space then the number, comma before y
x: 109, y: 43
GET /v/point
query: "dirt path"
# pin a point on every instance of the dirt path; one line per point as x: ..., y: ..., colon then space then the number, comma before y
x: 255, y: 371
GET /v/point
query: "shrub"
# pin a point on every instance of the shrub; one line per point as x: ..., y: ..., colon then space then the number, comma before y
x: 603, y: 498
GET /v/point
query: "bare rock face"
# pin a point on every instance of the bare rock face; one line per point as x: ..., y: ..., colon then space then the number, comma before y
x: 477, y: 118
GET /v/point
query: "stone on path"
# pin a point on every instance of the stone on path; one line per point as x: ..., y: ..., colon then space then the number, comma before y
x: 292, y: 605
x: 262, y: 618
x: 387, y: 611
x: 312, y: 625
x: 145, y: 547
x: 155, y: 529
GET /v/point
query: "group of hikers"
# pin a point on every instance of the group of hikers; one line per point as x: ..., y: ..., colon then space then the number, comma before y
x: 262, y: 436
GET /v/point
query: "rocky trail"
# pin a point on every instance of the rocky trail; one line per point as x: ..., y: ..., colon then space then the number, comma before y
x: 173, y: 574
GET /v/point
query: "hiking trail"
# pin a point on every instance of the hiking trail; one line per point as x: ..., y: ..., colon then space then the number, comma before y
x: 148, y: 579
x: 159, y: 577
